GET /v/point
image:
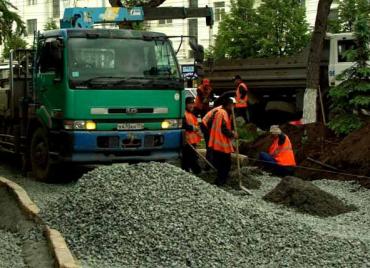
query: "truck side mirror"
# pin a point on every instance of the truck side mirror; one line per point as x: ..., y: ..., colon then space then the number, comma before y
x: 197, y: 49
x: 199, y: 54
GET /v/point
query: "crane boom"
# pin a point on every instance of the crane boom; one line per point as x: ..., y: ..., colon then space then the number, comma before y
x: 86, y: 17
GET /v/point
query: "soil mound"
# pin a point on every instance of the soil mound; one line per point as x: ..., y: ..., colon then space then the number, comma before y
x: 353, y: 153
x: 307, y: 198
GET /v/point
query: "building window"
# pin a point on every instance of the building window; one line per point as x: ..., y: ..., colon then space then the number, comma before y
x: 31, y: 26
x: 193, y: 3
x: 219, y: 8
x: 31, y: 2
x: 56, y: 8
x: 162, y: 22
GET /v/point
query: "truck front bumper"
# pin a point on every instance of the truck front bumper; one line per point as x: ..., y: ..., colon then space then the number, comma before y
x: 120, y: 146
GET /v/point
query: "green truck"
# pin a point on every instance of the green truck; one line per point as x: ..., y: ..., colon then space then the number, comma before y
x: 92, y: 96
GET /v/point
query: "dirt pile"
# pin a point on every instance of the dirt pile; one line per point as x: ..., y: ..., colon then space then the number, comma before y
x: 351, y: 155
x: 306, y: 197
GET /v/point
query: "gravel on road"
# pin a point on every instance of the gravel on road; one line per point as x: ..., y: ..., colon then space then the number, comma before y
x: 157, y: 215
x: 10, y: 250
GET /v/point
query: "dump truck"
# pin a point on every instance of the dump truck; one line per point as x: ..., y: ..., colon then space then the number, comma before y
x: 277, y: 85
x: 86, y: 95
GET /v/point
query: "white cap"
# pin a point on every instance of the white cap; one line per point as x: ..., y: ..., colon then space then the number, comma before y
x: 275, y: 130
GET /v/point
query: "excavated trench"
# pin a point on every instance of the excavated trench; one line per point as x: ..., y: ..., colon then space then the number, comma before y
x: 23, y: 243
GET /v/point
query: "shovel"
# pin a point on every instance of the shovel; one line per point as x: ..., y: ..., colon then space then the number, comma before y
x: 237, y: 156
x: 202, y: 157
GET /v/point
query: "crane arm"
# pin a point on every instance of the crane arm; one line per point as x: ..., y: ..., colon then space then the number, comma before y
x: 87, y: 17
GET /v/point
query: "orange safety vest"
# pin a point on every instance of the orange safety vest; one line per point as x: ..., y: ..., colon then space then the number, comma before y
x: 198, y: 100
x: 192, y: 137
x: 209, y: 115
x: 283, y: 154
x: 241, y: 102
x: 217, y: 140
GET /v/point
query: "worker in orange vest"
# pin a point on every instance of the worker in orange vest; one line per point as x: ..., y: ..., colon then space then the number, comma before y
x: 192, y: 136
x: 220, y: 141
x: 280, y: 156
x: 205, y: 127
x: 241, y: 98
x: 204, y: 96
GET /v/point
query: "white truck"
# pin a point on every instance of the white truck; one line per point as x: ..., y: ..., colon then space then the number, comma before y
x: 277, y: 85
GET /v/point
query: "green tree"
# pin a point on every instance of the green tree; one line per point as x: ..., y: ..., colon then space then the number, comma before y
x: 50, y: 25
x: 276, y: 28
x: 282, y: 27
x: 14, y: 42
x: 237, y: 32
x: 348, y: 11
x: 353, y: 94
x: 9, y: 20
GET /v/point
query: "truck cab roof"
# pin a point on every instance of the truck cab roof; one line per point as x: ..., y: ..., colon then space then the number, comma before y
x: 103, y: 33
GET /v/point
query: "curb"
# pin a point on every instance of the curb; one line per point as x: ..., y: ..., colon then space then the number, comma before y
x: 62, y: 254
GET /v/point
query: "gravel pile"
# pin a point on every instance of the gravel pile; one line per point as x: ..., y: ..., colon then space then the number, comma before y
x: 157, y: 215
x: 306, y: 197
x: 10, y: 250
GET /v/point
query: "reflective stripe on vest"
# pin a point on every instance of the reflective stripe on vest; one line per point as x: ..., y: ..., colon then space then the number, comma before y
x: 283, y: 154
x: 217, y: 140
x: 241, y: 102
x: 192, y: 137
x: 209, y: 116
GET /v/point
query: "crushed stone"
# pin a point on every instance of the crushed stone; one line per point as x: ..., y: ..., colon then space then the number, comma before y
x: 306, y: 197
x: 158, y: 215
x: 10, y: 250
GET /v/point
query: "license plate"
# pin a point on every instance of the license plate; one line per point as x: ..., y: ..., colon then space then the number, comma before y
x: 130, y: 126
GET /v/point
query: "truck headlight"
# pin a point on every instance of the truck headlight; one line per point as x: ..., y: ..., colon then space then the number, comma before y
x: 171, y: 123
x: 79, y: 125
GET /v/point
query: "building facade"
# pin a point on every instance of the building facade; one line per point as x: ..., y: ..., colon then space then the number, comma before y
x: 36, y: 13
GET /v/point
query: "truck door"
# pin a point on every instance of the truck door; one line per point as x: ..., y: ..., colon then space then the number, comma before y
x: 339, y: 60
x: 50, y: 76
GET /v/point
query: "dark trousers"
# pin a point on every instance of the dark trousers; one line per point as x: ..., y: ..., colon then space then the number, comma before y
x: 222, y: 162
x: 270, y: 163
x: 190, y: 159
x: 243, y: 112
x: 205, y: 132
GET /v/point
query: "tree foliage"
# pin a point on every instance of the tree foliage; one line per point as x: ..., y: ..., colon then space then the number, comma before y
x: 237, y: 32
x: 10, y: 22
x: 348, y: 11
x: 275, y: 28
x: 283, y: 29
x: 51, y: 24
x: 353, y: 94
x: 14, y: 42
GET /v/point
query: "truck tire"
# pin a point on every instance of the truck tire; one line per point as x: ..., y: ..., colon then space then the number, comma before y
x: 42, y: 168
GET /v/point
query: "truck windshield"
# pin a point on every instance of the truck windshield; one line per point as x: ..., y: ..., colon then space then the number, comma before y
x: 123, y: 59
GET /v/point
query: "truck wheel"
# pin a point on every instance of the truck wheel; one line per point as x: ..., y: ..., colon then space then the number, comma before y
x: 40, y: 159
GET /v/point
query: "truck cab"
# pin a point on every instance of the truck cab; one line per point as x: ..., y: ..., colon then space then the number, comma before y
x: 98, y: 96
x: 340, y: 44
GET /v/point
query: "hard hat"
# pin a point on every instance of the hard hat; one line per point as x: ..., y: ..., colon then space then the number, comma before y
x: 206, y: 82
x: 275, y: 130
